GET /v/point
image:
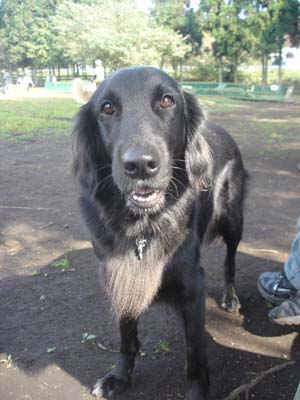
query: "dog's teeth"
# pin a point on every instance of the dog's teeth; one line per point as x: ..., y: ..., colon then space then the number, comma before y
x: 146, y: 198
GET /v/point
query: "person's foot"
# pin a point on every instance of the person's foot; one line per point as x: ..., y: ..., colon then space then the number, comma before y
x: 275, y: 287
x: 288, y: 312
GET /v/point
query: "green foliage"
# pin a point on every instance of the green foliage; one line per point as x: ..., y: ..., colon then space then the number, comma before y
x: 125, y: 36
x: 162, y: 347
x: 254, y: 77
x: 44, y: 33
x: 273, y: 20
x: 26, y: 31
x: 174, y: 15
x: 63, y: 263
x: 229, y: 26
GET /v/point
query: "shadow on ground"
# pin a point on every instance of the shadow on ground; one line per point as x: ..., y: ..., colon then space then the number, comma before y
x: 51, y: 309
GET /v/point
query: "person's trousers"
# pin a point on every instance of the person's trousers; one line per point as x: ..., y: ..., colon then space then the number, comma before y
x: 292, y: 265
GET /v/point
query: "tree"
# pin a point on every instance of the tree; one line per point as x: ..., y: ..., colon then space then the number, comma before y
x: 286, y: 13
x: 25, y: 29
x: 226, y: 21
x: 264, y: 40
x: 178, y: 17
x: 124, y: 37
x: 274, y: 20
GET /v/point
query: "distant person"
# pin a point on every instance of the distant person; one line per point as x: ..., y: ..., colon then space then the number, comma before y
x: 27, y: 82
x: 48, y: 78
x: 6, y: 79
x: 53, y: 79
x: 98, y: 72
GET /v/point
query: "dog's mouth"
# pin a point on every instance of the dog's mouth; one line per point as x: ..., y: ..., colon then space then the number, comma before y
x: 146, y: 198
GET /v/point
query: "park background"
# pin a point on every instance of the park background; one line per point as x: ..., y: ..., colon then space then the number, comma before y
x: 58, y: 334
x: 251, y: 42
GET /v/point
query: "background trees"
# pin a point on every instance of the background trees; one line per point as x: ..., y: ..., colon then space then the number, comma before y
x: 48, y: 34
x: 118, y: 34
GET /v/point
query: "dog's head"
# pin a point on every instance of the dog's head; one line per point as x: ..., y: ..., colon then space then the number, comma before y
x: 140, y: 135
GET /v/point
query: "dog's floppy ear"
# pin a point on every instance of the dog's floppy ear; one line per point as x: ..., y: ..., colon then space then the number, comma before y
x: 198, y: 157
x: 88, y: 149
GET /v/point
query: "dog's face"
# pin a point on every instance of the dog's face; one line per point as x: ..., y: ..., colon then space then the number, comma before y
x: 143, y: 122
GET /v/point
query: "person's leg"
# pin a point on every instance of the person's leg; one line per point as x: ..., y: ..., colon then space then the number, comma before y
x: 292, y: 265
x: 288, y: 312
x: 297, y: 395
x: 277, y: 287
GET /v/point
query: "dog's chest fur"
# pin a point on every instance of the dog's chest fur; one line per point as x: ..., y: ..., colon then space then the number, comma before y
x: 132, y: 283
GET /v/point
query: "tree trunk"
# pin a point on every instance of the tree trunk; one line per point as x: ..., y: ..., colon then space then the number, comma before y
x: 266, y: 69
x: 181, y: 71
x: 162, y: 61
x: 175, y: 68
x: 263, y: 69
x: 264, y: 76
x: 220, y: 70
x: 33, y: 74
x: 235, y: 70
x: 279, y: 65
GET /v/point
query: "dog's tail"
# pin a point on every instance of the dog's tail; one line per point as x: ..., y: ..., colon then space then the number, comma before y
x: 82, y: 92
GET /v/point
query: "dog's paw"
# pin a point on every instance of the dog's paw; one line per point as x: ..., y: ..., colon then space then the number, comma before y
x: 230, y: 303
x: 109, y: 386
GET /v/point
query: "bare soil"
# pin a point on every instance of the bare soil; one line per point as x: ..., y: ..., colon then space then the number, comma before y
x: 44, y: 309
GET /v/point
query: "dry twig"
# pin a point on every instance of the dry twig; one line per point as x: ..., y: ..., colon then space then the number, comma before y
x: 234, y: 395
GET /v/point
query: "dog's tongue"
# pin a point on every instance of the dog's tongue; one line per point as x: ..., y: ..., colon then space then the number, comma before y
x: 143, y: 191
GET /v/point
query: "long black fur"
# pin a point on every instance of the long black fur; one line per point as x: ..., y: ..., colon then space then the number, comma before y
x: 200, y: 176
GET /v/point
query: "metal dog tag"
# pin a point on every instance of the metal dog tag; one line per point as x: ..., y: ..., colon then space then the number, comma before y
x: 140, y: 244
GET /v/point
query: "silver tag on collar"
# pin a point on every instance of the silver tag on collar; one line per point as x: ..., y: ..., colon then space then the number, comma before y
x: 140, y: 244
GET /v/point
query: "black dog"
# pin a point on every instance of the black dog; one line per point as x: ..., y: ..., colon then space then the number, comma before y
x: 155, y: 177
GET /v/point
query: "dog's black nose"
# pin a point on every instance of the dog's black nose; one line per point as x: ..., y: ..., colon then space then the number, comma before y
x: 140, y: 163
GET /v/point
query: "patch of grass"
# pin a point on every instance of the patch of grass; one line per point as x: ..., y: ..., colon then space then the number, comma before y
x: 63, y: 263
x: 221, y: 103
x: 162, y: 347
x: 22, y: 119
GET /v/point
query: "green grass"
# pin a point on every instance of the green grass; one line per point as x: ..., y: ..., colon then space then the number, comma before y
x: 221, y: 103
x: 25, y: 118
x: 162, y: 347
x: 63, y: 263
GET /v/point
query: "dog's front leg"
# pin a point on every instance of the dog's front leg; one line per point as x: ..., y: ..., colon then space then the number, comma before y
x: 193, y: 316
x: 119, y: 379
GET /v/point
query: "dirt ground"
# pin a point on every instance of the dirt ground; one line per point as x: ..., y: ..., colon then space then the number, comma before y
x: 45, y: 309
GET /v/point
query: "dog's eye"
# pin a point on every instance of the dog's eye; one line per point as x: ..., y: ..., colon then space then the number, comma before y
x: 108, y: 108
x: 167, y: 101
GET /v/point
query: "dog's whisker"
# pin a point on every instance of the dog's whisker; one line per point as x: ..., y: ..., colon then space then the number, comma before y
x: 173, y: 184
x: 103, y: 184
x: 179, y: 182
x: 179, y: 168
x: 178, y: 159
